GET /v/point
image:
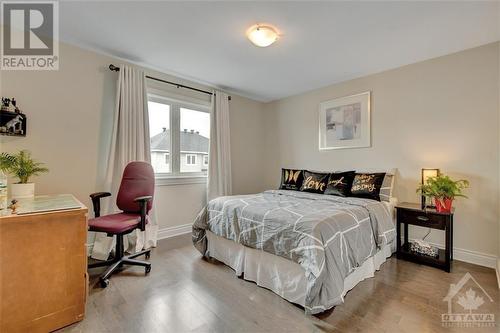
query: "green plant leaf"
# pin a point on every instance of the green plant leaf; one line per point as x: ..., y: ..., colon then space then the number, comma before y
x: 6, y: 161
x: 21, y: 165
x: 442, y: 187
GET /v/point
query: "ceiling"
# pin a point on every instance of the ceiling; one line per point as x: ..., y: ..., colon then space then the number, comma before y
x: 322, y: 42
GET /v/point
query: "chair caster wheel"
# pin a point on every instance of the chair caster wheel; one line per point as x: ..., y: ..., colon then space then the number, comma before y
x: 148, y: 269
x: 148, y: 255
x: 104, y: 283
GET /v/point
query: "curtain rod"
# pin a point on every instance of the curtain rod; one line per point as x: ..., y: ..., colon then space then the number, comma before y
x: 178, y: 85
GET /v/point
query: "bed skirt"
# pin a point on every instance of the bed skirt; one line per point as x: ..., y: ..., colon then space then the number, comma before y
x: 284, y: 277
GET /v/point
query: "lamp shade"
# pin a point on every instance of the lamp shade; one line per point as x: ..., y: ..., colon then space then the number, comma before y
x: 427, y: 173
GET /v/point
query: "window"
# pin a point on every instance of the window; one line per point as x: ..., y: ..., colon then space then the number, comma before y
x: 190, y: 159
x: 159, y: 133
x: 195, y: 131
x: 180, y: 132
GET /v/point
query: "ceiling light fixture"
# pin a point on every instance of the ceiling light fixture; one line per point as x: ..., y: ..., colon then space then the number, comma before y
x: 262, y: 35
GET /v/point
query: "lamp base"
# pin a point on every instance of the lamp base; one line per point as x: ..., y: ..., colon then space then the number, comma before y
x: 424, y: 204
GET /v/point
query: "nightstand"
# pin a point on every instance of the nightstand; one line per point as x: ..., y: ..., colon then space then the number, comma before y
x: 411, y: 213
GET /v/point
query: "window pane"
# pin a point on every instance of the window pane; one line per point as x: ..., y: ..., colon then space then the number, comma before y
x: 195, y: 133
x: 191, y: 159
x: 159, y: 132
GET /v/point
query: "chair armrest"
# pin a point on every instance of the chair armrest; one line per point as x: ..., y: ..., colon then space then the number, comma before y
x: 143, y: 202
x: 96, y: 201
x: 145, y: 198
x: 99, y: 195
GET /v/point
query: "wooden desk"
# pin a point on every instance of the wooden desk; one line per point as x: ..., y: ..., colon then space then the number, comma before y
x: 43, y: 265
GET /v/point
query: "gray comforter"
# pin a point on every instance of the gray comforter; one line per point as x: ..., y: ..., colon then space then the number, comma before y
x: 328, y: 236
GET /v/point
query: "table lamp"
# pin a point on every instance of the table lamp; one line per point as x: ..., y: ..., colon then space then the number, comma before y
x: 426, y: 174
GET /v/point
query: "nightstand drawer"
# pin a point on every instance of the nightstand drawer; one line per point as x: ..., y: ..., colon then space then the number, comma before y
x: 424, y: 219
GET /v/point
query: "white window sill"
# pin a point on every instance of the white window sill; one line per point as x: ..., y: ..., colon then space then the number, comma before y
x: 180, y: 180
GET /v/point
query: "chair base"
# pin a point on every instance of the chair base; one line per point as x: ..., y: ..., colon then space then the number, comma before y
x: 117, y: 263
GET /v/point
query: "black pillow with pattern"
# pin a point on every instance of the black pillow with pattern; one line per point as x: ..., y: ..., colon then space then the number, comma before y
x: 340, y: 183
x: 291, y: 179
x: 314, y: 182
x: 367, y: 185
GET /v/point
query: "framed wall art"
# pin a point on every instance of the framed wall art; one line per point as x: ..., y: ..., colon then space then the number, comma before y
x: 345, y: 122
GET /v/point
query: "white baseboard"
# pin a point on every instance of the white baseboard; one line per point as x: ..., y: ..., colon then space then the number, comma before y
x: 175, y: 231
x: 472, y: 257
x: 162, y: 233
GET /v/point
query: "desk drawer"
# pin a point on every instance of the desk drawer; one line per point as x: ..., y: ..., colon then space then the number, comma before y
x: 424, y: 219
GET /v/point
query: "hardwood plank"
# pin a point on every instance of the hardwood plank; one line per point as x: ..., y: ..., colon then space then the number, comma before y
x: 185, y: 293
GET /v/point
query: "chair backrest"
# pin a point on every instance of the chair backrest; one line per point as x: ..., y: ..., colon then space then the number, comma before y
x: 138, y: 180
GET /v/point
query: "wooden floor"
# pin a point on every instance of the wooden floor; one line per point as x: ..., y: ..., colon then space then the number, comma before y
x: 185, y: 293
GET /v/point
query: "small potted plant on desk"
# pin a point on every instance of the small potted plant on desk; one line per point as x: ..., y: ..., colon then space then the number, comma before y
x: 443, y: 190
x: 22, y: 166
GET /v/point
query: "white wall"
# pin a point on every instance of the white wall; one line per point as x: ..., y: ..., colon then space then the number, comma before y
x: 69, y: 122
x: 248, y: 145
x: 438, y: 113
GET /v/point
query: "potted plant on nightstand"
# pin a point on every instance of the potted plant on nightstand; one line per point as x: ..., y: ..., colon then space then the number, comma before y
x: 22, y: 166
x: 443, y: 190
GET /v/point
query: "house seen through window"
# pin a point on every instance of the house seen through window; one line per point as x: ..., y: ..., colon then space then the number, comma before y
x: 179, y: 137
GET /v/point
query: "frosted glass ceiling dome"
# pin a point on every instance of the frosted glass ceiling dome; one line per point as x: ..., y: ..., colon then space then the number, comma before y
x: 262, y: 35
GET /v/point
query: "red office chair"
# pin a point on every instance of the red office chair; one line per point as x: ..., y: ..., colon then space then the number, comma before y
x: 135, y: 199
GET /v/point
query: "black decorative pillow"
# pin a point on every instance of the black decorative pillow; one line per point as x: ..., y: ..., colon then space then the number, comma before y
x: 340, y: 183
x: 314, y: 182
x: 291, y: 179
x: 367, y: 185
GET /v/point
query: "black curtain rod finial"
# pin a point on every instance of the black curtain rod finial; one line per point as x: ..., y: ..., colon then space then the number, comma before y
x: 114, y: 68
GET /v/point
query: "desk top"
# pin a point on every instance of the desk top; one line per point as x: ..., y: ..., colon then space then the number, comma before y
x: 44, y: 204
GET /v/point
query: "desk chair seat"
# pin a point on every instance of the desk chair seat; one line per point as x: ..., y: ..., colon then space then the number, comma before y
x: 114, y: 224
x: 135, y: 199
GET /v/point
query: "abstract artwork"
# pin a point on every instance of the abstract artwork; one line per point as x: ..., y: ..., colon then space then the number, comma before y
x: 345, y: 122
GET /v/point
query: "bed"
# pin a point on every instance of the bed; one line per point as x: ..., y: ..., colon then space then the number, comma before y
x: 308, y: 248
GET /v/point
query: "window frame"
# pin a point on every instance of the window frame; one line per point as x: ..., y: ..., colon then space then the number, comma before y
x: 176, y: 103
x: 190, y: 159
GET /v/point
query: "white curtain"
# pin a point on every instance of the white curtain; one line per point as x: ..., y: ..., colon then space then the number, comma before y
x: 129, y: 142
x: 219, y: 166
